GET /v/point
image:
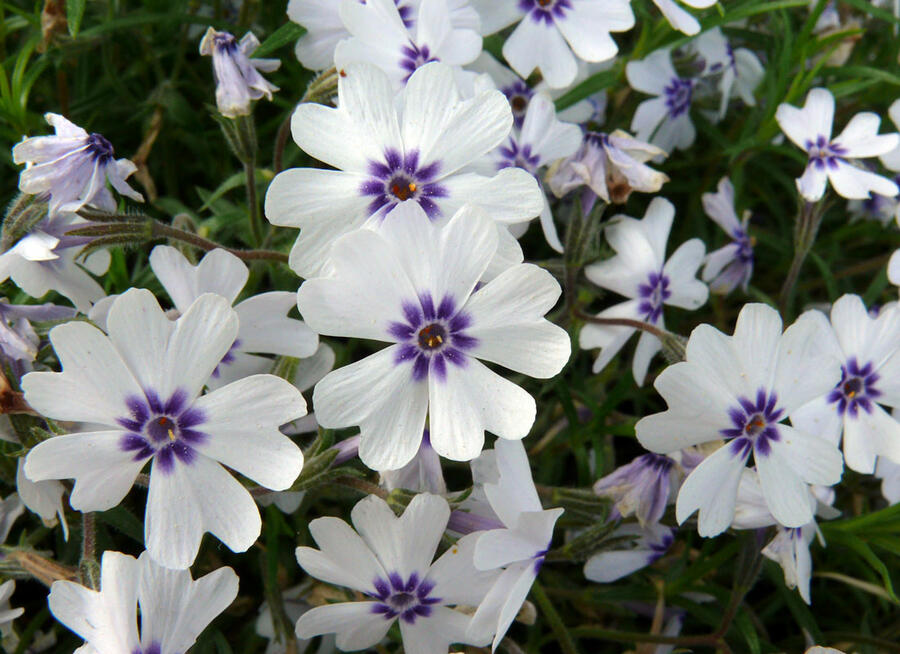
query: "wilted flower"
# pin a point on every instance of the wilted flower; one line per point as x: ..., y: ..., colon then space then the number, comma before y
x: 238, y: 81
x: 642, y: 487
x: 72, y: 167
x: 610, y: 166
x: 645, y: 545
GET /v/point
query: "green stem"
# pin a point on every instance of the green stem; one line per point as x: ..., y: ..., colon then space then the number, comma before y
x: 566, y: 642
x: 161, y: 230
x: 807, y: 226
x: 255, y: 223
x: 281, y: 143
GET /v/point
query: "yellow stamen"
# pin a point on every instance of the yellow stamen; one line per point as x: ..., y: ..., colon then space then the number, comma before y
x: 171, y: 435
x: 412, y: 187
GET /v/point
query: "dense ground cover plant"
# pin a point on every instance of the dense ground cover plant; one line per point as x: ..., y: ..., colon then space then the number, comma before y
x: 436, y: 326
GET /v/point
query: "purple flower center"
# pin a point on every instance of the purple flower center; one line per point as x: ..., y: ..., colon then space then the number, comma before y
x: 152, y: 648
x: 823, y: 153
x: 545, y: 10
x: 514, y: 155
x: 409, y: 600
x: 856, y: 390
x: 744, y: 246
x: 225, y: 42
x: 165, y: 430
x: 755, y: 424
x: 678, y: 95
x: 99, y: 148
x: 519, y: 95
x: 400, y: 178
x: 413, y: 57
x: 430, y: 337
x: 653, y: 293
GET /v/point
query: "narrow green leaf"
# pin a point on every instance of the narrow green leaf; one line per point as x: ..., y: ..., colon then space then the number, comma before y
x: 74, y: 14
x: 287, y: 33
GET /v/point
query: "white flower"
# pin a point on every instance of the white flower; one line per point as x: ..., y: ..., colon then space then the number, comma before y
x: 610, y: 165
x: 387, y: 156
x: 174, y: 608
x: 423, y: 474
x: 380, y: 36
x: 738, y: 71
x: 869, y: 351
x: 790, y: 550
x: 893, y: 269
x: 542, y: 140
x: 140, y: 386
x: 412, y: 284
x: 891, y: 159
x: 833, y: 159
x: 18, y: 340
x: 264, y: 325
x: 294, y: 607
x: 740, y: 388
x: 42, y: 497
x: 73, y: 167
x: 551, y: 30
x: 520, y: 547
x: 325, y: 28
x: 645, y: 545
x: 7, y: 613
x: 678, y: 18
x: 665, y: 120
x: 640, y: 272
x: 238, y: 81
x: 10, y: 509
x: 889, y: 474
x: 732, y: 265
x: 46, y: 259
x: 389, y: 559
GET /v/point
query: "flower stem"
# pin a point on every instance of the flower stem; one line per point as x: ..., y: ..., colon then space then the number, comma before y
x: 255, y: 226
x: 623, y: 322
x: 809, y: 218
x: 281, y: 143
x: 566, y: 642
x: 161, y: 230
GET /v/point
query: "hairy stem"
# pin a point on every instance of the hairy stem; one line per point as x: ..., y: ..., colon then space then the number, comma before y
x: 161, y: 230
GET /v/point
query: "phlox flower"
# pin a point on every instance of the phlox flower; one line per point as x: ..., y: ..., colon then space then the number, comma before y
x: 551, y: 33
x: 893, y: 269
x: 611, y: 166
x: 423, y: 474
x: 141, y: 386
x: 869, y: 351
x: 264, y: 325
x: 18, y: 340
x: 519, y: 546
x: 640, y: 272
x: 379, y: 35
x: 737, y: 72
x: 891, y: 159
x: 678, y: 18
x: 7, y: 613
x: 174, y: 608
x: 834, y: 159
x: 889, y: 474
x: 413, y: 284
x: 740, y: 388
x: 325, y: 28
x: 389, y: 559
x: 10, y: 509
x: 47, y: 259
x: 643, y: 487
x: 41, y: 497
x: 645, y: 545
x: 732, y: 265
x: 238, y: 82
x: 72, y: 167
x: 387, y: 156
x: 664, y: 120
x: 542, y: 140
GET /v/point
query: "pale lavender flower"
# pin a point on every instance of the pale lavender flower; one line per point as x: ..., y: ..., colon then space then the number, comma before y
x: 732, y: 265
x: 642, y: 487
x: 645, y: 545
x: 72, y: 167
x: 238, y: 81
x: 18, y: 341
